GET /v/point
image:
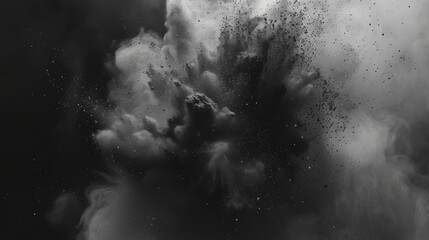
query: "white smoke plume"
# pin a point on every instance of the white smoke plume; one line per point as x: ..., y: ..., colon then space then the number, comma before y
x: 269, y: 120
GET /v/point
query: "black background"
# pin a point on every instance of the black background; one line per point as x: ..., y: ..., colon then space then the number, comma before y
x: 52, y: 53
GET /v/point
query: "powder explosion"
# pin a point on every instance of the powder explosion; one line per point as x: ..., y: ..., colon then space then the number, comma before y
x: 268, y: 120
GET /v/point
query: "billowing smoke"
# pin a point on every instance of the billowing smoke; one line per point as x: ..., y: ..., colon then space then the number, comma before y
x: 268, y: 120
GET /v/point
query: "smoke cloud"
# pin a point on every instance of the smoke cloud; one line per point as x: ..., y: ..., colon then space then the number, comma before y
x: 268, y: 120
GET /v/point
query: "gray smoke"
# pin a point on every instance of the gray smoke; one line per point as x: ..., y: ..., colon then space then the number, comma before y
x: 269, y: 120
x: 377, y: 54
